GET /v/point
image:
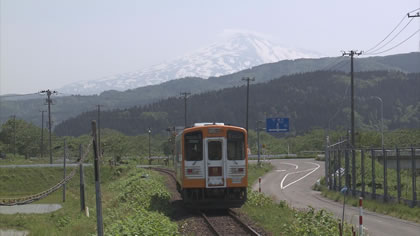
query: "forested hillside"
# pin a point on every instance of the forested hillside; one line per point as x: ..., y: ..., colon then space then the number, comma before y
x: 70, y: 106
x: 316, y: 99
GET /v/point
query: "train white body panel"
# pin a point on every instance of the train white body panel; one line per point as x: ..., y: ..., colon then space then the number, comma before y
x: 211, y: 165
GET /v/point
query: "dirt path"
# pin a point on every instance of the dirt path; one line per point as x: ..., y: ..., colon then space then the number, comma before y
x: 29, y: 209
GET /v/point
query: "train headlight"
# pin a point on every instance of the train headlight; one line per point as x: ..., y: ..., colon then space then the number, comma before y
x: 193, y: 171
x: 237, y: 171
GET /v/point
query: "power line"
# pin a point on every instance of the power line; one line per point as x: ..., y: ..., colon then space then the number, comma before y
x: 339, y: 65
x: 389, y: 49
x: 416, y: 15
x: 371, y: 53
x: 402, y: 19
x: 332, y: 64
x: 343, y: 99
x: 414, y: 10
x: 374, y: 48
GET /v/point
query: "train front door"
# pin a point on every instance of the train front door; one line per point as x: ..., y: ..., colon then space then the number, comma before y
x: 215, y: 158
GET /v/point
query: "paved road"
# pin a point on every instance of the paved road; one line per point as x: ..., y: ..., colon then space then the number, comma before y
x: 292, y: 180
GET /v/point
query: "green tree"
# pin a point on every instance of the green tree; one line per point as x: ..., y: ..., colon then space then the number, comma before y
x: 27, y: 138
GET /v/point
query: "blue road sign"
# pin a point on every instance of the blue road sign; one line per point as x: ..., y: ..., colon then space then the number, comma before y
x: 277, y: 125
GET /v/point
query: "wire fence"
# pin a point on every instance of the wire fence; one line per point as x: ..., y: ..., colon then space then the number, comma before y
x: 35, y: 197
x: 376, y: 173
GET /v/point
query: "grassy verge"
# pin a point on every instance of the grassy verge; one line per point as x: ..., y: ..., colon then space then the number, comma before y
x: 280, y: 219
x: 141, y: 207
x: 69, y: 220
x: 21, y: 160
x: 129, y: 202
x: 401, y: 211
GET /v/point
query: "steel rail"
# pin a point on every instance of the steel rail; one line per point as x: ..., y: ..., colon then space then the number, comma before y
x: 213, y: 229
x: 164, y: 170
x: 244, y: 225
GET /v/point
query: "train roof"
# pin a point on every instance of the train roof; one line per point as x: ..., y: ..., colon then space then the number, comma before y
x: 199, y: 126
x: 207, y: 123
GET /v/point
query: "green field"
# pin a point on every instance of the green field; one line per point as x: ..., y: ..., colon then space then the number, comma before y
x: 118, y: 193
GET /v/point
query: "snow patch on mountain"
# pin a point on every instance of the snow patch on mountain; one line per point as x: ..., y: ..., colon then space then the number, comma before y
x: 238, y: 51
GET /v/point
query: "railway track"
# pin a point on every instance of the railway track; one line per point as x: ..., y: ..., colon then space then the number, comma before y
x: 164, y: 170
x: 220, y: 222
x: 226, y: 222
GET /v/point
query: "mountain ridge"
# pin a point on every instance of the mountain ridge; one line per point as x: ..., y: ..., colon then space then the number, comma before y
x: 314, y: 99
x: 240, y: 51
x: 71, y: 106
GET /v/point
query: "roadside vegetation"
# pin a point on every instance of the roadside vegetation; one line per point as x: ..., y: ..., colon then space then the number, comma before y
x: 114, y: 145
x: 281, y: 219
x: 69, y: 220
x: 399, y: 210
x: 135, y: 202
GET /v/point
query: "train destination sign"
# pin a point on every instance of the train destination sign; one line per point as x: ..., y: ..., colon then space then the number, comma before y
x: 277, y: 125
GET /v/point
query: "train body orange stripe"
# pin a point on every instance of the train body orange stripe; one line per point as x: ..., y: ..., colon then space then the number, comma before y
x: 193, y: 183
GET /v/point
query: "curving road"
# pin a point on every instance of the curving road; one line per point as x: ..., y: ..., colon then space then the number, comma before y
x: 291, y: 181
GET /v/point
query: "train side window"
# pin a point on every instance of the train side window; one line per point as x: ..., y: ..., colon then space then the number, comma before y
x: 193, y: 146
x: 235, y: 145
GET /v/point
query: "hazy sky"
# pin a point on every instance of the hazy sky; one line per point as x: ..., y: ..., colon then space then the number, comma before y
x: 45, y: 44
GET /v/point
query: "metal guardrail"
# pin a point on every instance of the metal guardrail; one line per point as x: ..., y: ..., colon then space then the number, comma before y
x: 365, y: 171
x: 272, y: 156
x: 43, y: 194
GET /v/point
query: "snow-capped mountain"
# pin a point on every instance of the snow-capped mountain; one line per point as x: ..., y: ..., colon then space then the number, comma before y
x: 242, y: 50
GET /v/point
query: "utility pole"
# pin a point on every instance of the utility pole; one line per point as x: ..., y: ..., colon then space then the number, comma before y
x: 42, y: 133
x: 149, y: 131
x: 14, y: 136
x: 99, y: 218
x: 351, y: 53
x: 247, y: 79
x: 258, y: 140
x: 382, y: 119
x: 64, y: 170
x: 185, y: 94
x: 49, y: 101
x: 82, y: 181
x: 99, y: 130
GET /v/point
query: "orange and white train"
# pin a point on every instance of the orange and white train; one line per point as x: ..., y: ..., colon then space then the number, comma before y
x: 211, y: 165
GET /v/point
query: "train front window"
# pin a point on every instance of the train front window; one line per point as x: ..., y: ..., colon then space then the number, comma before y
x: 215, y: 150
x: 235, y: 145
x: 194, y: 146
